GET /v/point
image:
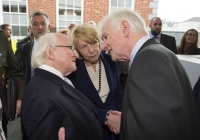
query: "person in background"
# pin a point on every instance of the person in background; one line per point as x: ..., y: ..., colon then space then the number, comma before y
x: 25, y: 40
x: 71, y: 25
x: 189, y: 43
x: 39, y: 25
x: 7, y: 29
x: 64, y: 31
x: 92, y: 23
x: 9, y: 68
x: 166, y: 40
x: 96, y: 76
x: 50, y: 101
x: 158, y: 103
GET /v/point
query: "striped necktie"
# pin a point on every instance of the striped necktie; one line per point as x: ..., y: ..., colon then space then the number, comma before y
x: 125, y: 67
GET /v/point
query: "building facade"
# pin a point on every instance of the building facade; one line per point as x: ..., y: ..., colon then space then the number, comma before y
x: 62, y: 12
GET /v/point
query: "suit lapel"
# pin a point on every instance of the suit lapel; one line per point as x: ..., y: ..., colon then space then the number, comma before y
x: 67, y: 88
x: 111, y: 82
x: 83, y: 74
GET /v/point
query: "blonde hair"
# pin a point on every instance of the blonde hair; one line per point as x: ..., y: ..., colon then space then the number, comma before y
x: 64, y: 31
x: 87, y: 32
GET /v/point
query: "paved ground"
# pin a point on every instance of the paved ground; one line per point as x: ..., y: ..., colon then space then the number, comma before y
x: 14, y: 129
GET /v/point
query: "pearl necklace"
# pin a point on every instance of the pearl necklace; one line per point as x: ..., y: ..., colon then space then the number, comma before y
x: 99, y: 76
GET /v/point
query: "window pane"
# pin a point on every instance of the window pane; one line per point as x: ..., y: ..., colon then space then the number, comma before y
x: 15, y: 18
x: 6, y: 18
x: 23, y: 30
x: 62, y: 2
x: 22, y: 7
x: 62, y: 17
x: 70, y: 12
x: 15, y: 30
x: 63, y: 23
x: 70, y: 4
x: 78, y: 12
x: 113, y: 9
x: 5, y: 5
x: 23, y: 19
x: 14, y: 6
x: 128, y: 3
x: 120, y: 3
x: 77, y: 3
x: 70, y: 17
x: 77, y: 17
x: 62, y: 12
x: 113, y: 3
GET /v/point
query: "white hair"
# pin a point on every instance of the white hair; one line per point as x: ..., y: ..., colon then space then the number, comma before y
x: 38, y: 53
x: 136, y: 23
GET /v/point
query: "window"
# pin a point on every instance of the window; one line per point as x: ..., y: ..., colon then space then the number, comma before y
x: 69, y: 11
x: 121, y: 4
x: 14, y: 12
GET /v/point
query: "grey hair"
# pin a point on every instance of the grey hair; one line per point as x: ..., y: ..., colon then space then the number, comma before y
x: 136, y: 23
x: 38, y: 13
x: 38, y: 54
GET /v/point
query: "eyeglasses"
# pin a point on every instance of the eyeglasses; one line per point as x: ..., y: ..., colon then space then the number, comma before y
x: 71, y: 47
x: 191, y: 35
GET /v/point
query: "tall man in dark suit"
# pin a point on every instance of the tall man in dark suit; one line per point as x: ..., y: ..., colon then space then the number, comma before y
x: 158, y: 103
x: 9, y: 65
x: 166, y: 40
x: 50, y: 101
x: 25, y: 40
x: 39, y: 24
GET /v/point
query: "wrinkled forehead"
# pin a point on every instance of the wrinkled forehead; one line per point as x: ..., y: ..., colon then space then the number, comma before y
x: 63, y: 40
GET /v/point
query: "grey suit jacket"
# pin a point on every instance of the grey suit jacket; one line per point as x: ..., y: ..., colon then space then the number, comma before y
x: 158, y: 103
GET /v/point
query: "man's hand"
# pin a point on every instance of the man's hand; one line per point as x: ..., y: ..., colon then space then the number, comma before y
x: 61, y: 133
x: 113, y: 121
x: 18, y: 107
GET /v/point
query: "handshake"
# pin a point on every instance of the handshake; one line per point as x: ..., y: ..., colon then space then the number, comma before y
x: 113, y: 120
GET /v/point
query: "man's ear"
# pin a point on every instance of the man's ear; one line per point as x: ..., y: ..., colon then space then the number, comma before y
x: 50, y: 53
x: 125, y: 28
x: 49, y: 27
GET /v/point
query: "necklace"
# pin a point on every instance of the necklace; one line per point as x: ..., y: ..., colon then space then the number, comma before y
x: 99, y: 76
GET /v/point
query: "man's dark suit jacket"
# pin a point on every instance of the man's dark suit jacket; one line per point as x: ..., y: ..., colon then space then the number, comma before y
x: 50, y: 103
x: 9, y: 63
x: 24, y: 59
x: 196, y: 91
x: 169, y: 42
x: 20, y: 43
x: 158, y: 103
x: 82, y: 82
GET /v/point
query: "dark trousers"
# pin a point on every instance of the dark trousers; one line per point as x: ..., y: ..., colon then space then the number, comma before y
x: 4, y: 125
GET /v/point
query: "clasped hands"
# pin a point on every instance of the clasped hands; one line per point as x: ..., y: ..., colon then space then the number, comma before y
x: 113, y: 121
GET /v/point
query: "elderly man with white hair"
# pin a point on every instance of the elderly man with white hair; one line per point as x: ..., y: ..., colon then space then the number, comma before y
x: 50, y: 101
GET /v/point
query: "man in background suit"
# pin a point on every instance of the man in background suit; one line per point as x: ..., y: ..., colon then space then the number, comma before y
x: 39, y: 24
x: 25, y: 40
x: 158, y: 102
x: 166, y: 40
x: 50, y: 101
x: 9, y: 65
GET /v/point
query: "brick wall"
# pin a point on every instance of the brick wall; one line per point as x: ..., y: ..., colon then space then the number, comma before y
x: 47, y: 6
x: 142, y: 7
x: 95, y: 10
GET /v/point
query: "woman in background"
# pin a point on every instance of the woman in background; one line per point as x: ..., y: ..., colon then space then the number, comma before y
x: 189, y: 42
x: 96, y: 77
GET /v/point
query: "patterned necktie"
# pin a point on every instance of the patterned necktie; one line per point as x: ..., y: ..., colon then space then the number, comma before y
x: 125, y: 67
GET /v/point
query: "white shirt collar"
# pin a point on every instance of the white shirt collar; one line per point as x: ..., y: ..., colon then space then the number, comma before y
x: 52, y: 70
x: 137, y: 46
